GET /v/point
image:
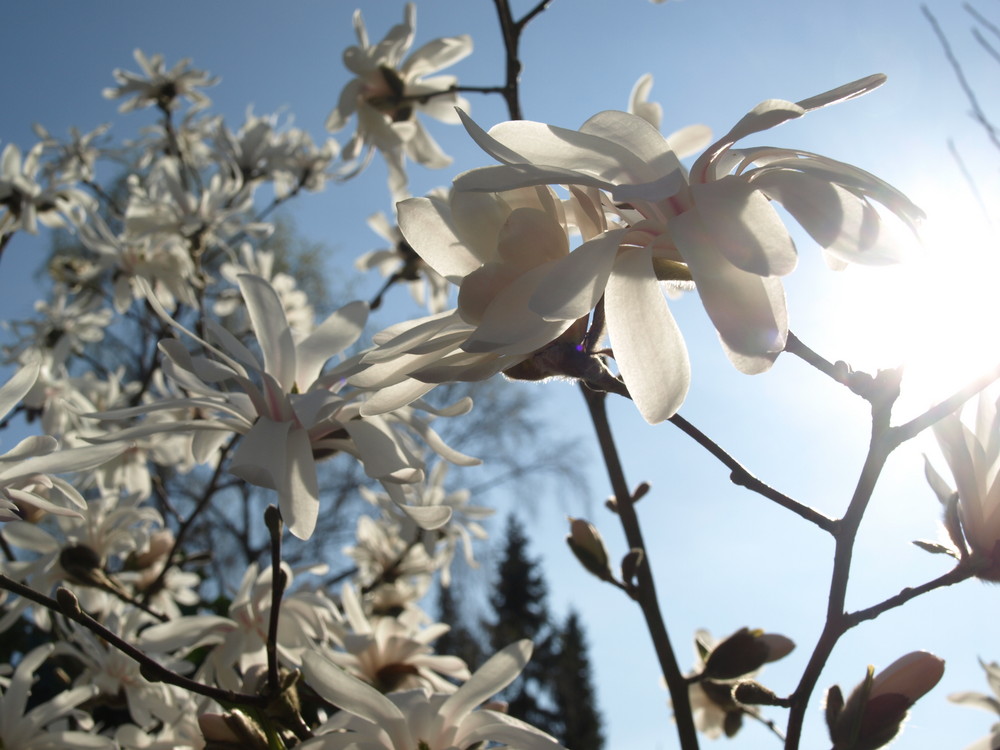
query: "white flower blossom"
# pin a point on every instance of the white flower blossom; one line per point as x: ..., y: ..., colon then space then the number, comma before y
x: 421, y: 719
x: 388, y: 92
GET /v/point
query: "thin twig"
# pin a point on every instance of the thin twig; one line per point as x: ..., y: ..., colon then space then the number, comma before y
x: 68, y: 605
x: 645, y: 590
x: 956, y: 575
x: 272, y: 519
x: 880, y: 446
x: 977, y: 111
x: 741, y: 476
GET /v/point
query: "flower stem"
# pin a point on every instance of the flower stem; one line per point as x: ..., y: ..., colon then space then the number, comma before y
x: 646, y: 588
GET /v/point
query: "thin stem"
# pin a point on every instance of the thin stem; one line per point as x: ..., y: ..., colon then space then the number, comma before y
x: 956, y: 575
x: 272, y: 518
x: 68, y: 605
x: 741, y: 476
x: 836, y: 619
x: 511, y: 31
x: 645, y: 590
x: 978, y: 114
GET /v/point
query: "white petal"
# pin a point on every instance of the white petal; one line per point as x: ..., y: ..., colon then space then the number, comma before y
x: 18, y: 386
x: 436, y: 55
x: 646, y: 341
x: 269, y: 323
x: 496, y: 674
x: 574, y: 284
x: 843, y: 93
x: 426, y: 225
x: 748, y: 310
x: 299, y: 499
x: 428, y: 517
x: 350, y: 694
x: 331, y: 337
x: 744, y: 226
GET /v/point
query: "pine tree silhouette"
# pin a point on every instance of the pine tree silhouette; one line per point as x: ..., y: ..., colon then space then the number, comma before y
x: 575, y: 697
x: 520, y: 611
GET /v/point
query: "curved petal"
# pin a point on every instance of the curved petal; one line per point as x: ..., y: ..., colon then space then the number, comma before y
x: 436, y: 55
x: 354, y: 696
x: 497, y: 673
x: 744, y: 226
x: 426, y: 225
x: 575, y: 283
x: 748, y: 310
x: 646, y: 341
x: 267, y: 316
x: 331, y: 337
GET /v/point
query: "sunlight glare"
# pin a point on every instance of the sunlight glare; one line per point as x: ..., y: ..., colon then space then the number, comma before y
x: 937, y: 313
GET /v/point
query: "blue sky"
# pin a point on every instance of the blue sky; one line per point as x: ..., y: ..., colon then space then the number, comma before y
x: 723, y: 558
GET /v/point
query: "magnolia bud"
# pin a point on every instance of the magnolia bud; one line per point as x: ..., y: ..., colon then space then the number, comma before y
x: 235, y: 730
x: 587, y: 545
x: 874, y: 712
x: 745, y: 651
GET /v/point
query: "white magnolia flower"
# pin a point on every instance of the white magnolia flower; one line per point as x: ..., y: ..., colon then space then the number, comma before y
x: 717, y: 229
x: 61, y: 328
x: 496, y: 247
x: 161, y: 205
x: 990, y: 703
x: 388, y: 92
x: 118, y: 676
x: 288, y: 413
x: 401, y: 262
x: 78, y: 551
x: 158, y: 86
x: 24, y: 202
x: 421, y: 719
x: 393, y: 652
x: 973, y: 455
x: 394, y: 572
x: 162, y: 261
x: 44, y: 727
x: 26, y: 470
x: 76, y: 159
x: 420, y: 506
x: 238, y: 641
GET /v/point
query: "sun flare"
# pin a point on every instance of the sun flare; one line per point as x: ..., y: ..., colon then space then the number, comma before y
x: 936, y: 314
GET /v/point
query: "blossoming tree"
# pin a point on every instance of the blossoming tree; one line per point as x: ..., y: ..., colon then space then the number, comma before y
x: 176, y: 371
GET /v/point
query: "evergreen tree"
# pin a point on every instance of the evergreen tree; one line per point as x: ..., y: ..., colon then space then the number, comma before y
x: 459, y: 641
x: 575, y: 697
x: 521, y: 611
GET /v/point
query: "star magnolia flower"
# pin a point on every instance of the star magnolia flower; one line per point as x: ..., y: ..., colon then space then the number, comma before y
x: 393, y: 652
x: 719, y: 229
x: 26, y: 468
x: 286, y: 412
x: 159, y: 86
x: 239, y: 639
x: 974, y: 459
x: 401, y: 262
x: 26, y: 730
x: 418, y: 719
x: 496, y: 247
x: 24, y: 202
x: 389, y: 91
x: 988, y: 702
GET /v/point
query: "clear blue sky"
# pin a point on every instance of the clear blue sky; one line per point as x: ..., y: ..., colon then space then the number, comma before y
x: 723, y: 558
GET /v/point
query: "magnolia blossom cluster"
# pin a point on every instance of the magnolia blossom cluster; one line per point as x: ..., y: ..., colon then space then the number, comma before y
x: 182, y: 380
x: 503, y: 236
x: 243, y: 388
